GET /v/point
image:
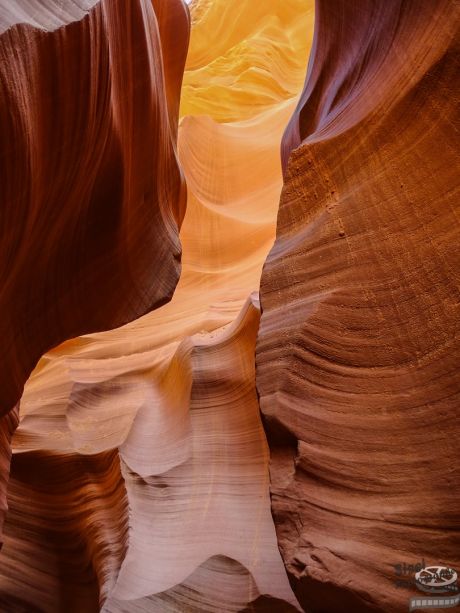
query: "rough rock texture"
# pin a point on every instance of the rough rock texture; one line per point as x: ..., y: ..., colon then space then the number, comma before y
x: 173, y: 393
x: 358, y: 347
x: 92, y: 194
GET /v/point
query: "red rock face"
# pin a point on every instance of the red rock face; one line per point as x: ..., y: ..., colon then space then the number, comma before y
x: 92, y: 195
x: 140, y: 468
x: 53, y: 565
x: 357, y: 350
x: 173, y: 393
x: 8, y: 424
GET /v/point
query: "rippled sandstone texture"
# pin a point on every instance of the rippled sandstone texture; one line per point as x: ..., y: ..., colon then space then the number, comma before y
x: 358, y: 348
x: 169, y: 402
x: 92, y: 194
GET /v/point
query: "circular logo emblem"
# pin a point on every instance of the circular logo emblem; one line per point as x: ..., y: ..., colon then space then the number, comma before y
x: 437, y: 579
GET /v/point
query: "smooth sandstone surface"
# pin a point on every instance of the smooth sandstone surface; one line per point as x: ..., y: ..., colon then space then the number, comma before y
x: 168, y: 401
x: 358, y: 348
x: 245, y: 57
x: 141, y: 479
x: 66, y: 532
x: 92, y: 192
x: 205, y: 494
x: 47, y: 15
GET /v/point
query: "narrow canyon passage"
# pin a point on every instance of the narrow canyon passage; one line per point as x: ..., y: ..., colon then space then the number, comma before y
x: 163, y: 412
x: 229, y: 306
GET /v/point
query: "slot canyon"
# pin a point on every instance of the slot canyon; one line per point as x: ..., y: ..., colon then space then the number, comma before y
x: 229, y: 306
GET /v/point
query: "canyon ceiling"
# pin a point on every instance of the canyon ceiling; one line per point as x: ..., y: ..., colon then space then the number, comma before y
x: 229, y: 303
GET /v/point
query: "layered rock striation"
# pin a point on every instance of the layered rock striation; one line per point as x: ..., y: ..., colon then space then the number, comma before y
x: 140, y: 468
x: 358, y: 344
x: 168, y: 401
x: 92, y: 192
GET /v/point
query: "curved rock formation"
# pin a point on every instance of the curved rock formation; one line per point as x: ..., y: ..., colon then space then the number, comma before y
x: 358, y: 347
x: 195, y: 469
x: 245, y: 57
x: 174, y: 392
x: 219, y: 584
x: 203, y: 494
x: 65, y: 534
x: 91, y: 189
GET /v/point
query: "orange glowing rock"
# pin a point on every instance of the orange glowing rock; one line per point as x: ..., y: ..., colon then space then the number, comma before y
x: 173, y: 393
